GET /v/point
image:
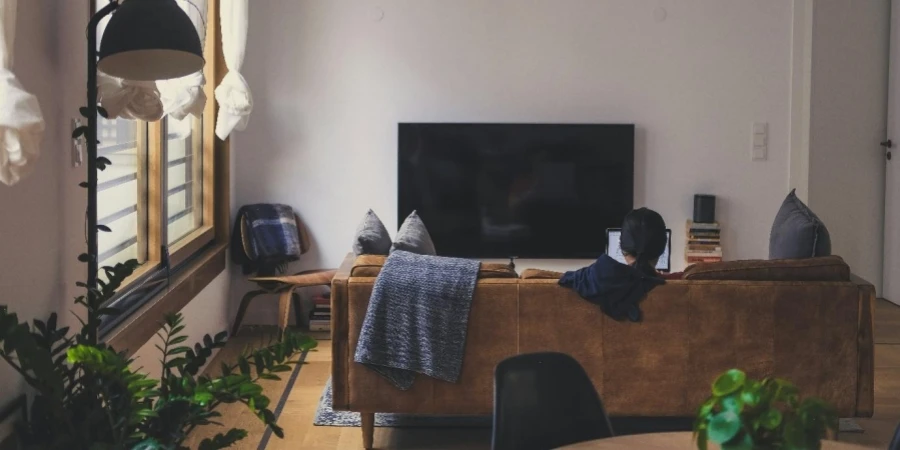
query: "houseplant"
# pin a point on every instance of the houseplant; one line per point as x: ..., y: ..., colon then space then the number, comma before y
x: 769, y: 414
x: 88, y: 396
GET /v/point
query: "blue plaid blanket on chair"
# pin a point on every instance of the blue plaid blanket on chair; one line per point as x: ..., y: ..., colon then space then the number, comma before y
x: 265, y: 238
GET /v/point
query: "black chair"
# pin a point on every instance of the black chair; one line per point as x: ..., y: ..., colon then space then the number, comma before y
x: 895, y: 442
x: 544, y: 401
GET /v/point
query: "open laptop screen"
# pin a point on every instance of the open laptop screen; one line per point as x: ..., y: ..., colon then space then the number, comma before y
x: 614, y: 249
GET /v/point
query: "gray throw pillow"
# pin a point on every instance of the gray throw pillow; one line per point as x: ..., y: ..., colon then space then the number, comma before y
x: 413, y: 237
x: 797, y: 232
x: 372, y: 238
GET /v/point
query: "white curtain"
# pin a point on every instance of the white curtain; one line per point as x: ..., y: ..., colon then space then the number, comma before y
x: 136, y: 100
x: 183, y: 96
x: 233, y: 94
x: 21, y: 121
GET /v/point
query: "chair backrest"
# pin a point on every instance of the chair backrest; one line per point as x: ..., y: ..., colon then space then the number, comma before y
x: 544, y: 401
x: 895, y: 442
x: 302, y: 234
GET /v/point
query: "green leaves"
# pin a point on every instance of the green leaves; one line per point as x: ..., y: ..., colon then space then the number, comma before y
x: 724, y: 426
x: 744, y: 414
x: 770, y: 419
x: 88, y: 396
x: 728, y: 382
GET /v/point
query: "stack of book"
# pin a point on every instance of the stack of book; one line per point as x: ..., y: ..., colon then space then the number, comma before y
x: 704, y: 243
x: 320, y: 317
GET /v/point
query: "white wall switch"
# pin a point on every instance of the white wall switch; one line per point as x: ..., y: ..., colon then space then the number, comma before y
x: 760, y: 153
x: 759, y: 146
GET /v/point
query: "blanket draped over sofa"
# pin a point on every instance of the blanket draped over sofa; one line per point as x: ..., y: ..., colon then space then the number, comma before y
x: 417, y: 318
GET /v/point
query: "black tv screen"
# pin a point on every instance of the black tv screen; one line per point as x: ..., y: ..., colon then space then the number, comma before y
x: 525, y: 190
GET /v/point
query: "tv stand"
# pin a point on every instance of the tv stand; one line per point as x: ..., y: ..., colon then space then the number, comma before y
x: 512, y: 262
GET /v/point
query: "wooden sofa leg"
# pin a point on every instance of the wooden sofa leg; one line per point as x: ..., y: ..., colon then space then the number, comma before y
x: 368, y: 429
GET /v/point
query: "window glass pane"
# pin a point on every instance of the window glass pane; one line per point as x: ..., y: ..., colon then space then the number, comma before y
x: 121, y: 196
x: 184, y: 186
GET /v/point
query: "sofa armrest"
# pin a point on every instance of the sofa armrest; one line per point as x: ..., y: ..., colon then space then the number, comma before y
x: 340, y: 334
x: 865, y: 385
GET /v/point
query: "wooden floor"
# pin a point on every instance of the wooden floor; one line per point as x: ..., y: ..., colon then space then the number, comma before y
x: 300, y: 407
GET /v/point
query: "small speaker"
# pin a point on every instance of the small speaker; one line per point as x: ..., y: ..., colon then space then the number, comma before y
x: 704, y: 208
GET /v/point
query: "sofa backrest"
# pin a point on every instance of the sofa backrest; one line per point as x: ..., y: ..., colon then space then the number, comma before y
x: 826, y: 268
x: 370, y: 266
x: 817, y: 334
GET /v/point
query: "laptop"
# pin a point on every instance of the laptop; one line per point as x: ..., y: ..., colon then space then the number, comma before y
x: 614, y: 249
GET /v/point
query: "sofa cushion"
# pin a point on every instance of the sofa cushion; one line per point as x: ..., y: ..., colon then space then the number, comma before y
x: 797, y: 232
x: 540, y: 274
x: 413, y: 237
x: 370, y: 266
x: 372, y: 238
x: 826, y: 268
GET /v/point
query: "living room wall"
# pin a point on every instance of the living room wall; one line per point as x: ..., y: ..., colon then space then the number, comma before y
x: 41, y: 218
x: 332, y: 79
x: 30, y: 236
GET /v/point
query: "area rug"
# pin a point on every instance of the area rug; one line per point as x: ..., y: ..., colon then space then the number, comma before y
x: 327, y: 417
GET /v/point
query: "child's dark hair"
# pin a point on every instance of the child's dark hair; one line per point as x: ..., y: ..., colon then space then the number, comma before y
x: 644, y: 238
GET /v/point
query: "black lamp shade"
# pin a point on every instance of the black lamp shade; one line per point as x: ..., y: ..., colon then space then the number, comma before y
x: 148, y: 40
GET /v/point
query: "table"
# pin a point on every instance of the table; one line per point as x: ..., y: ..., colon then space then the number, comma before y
x: 672, y: 441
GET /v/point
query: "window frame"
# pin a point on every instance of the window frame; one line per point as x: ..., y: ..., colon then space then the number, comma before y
x: 173, y: 275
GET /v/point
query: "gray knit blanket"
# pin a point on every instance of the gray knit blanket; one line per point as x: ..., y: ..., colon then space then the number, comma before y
x: 417, y: 318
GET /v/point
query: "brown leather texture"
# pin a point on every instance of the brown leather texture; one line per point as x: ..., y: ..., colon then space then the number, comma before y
x: 529, y: 274
x: 825, y: 268
x: 370, y: 266
x: 816, y: 334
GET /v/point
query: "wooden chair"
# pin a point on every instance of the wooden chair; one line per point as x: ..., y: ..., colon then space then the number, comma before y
x: 282, y: 285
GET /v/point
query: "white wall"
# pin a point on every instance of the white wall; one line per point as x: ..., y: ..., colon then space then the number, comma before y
x: 41, y: 219
x: 848, y: 111
x: 330, y: 84
x: 30, y: 235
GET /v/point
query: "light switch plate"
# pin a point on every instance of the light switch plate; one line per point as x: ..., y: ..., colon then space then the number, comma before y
x: 759, y: 146
x: 760, y: 153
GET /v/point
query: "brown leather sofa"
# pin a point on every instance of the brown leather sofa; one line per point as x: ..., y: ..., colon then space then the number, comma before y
x: 809, y: 321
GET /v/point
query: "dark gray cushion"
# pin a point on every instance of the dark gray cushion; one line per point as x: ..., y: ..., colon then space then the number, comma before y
x: 372, y: 238
x: 798, y: 232
x: 413, y: 237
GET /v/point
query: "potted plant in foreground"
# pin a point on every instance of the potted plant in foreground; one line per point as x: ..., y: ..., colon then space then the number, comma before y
x: 87, y: 396
x: 753, y: 415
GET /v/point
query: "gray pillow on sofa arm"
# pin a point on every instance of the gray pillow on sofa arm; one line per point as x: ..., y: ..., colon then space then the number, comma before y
x: 798, y: 232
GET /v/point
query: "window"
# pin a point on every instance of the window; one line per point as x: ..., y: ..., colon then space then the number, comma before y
x: 157, y: 196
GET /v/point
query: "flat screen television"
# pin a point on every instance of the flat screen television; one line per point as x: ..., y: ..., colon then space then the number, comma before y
x: 525, y: 190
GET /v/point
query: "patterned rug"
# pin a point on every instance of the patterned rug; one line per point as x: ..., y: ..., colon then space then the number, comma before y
x: 327, y: 417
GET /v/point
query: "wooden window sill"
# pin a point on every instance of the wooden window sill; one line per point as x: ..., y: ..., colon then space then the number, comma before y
x: 141, y: 325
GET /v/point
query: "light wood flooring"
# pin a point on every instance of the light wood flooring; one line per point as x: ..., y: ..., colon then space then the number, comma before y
x: 300, y: 405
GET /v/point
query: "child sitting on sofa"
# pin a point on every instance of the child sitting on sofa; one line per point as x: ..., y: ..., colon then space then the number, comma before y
x: 618, y: 288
